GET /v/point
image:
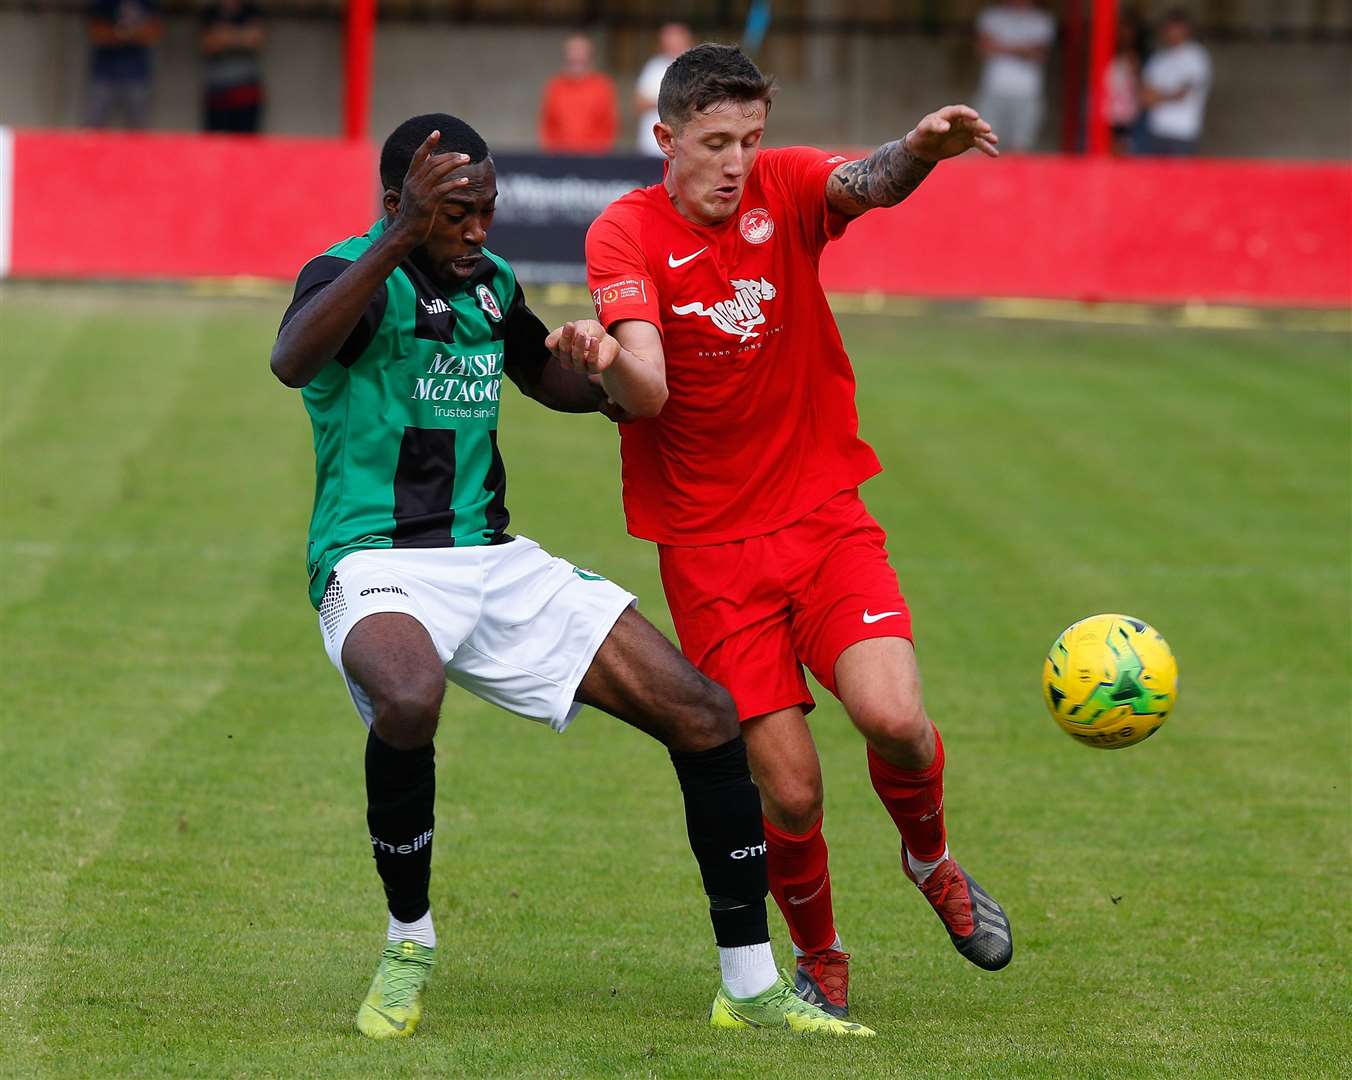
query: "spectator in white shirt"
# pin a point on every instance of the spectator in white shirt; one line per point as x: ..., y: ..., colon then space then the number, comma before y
x: 1015, y: 38
x: 673, y: 39
x: 1177, y: 79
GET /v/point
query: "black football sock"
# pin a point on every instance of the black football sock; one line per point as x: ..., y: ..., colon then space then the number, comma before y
x: 401, y: 788
x: 723, y: 820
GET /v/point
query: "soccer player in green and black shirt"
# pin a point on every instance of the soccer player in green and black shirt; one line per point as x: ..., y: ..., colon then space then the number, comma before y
x: 400, y: 339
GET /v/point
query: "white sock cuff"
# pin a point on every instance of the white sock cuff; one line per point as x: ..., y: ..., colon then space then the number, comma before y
x: 420, y: 930
x: 747, y: 970
x: 837, y: 944
x: 922, y: 870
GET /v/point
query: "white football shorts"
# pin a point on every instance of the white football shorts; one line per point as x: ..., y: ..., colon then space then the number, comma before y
x: 512, y: 624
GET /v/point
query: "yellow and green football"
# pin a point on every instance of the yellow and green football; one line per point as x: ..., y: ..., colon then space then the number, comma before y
x: 1110, y: 681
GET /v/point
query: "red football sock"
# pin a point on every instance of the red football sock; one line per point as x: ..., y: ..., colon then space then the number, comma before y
x: 801, y: 885
x: 915, y: 799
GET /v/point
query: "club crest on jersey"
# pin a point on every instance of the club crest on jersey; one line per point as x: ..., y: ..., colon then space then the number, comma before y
x: 757, y: 226
x: 739, y: 316
x: 489, y: 303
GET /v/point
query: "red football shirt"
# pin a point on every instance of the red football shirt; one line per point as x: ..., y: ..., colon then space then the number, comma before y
x: 760, y: 427
x: 578, y: 114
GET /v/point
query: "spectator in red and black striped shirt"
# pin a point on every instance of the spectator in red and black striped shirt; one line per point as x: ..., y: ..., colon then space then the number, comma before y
x: 231, y: 40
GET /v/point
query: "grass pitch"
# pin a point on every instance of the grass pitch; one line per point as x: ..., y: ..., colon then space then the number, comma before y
x: 187, y: 888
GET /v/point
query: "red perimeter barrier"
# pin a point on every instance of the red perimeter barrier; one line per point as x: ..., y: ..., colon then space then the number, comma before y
x: 1094, y: 229
x: 128, y: 206
x: 103, y: 205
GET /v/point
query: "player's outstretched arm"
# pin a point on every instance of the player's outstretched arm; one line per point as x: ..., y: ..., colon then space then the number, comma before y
x: 538, y: 373
x: 896, y: 169
x: 314, y: 334
x: 630, y: 366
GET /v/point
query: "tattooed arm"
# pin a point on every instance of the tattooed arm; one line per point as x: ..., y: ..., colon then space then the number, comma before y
x: 895, y: 169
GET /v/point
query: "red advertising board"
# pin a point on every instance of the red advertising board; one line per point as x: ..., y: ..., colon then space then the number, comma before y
x: 132, y: 206
x: 1135, y: 230
x: 157, y: 205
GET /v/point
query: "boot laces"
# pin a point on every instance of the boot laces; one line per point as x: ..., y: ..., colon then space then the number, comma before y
x: 403, y: 977
x: 829, y: 971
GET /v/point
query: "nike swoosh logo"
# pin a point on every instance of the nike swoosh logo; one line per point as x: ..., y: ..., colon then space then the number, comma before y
x: 674, y: 262
x: 398, y: 1025
x: 796, y: 900
x: 881, y: 615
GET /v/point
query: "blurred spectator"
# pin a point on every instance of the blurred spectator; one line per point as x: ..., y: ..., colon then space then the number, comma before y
x: 1015, y: 38
x: 1122, y: 91
x: 121, y: 33
x: 673, y: 39
x: 231, y: 39
x: 578, y: 114
x: 1176, y: 81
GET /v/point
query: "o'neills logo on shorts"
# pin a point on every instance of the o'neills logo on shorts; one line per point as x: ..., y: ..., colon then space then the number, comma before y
x: 383, y: 588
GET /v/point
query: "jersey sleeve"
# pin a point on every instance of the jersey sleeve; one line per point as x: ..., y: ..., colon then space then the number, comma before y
x: 314, y: 278
x: 617, y: 271
x: 801, y: 173
x: 524, y: 352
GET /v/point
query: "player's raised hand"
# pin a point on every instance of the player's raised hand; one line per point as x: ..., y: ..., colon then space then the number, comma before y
x: 583, y: 346
x: 951, y: 131
x: 426, y: 185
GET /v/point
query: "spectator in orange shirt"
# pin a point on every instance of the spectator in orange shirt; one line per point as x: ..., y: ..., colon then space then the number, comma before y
x: 578, y: 113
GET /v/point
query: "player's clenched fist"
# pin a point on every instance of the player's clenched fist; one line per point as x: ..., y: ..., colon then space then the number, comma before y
x: 428, y: 181
x: 583, y: 346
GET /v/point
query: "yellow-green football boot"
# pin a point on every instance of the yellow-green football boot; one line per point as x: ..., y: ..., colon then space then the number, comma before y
x: 393, y: 1005
x: 779, y: 1007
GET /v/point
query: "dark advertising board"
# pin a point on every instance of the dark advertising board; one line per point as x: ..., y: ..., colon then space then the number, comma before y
x: 546, y: 202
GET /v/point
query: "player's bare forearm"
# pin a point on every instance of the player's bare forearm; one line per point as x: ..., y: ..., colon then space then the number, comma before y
x: 315, y: 334
x: 884, y: 178
x: 896, y: 169
x: 631, y: 372
x: 566, y: 391
x: 637, y: 382
x: 635, y: 385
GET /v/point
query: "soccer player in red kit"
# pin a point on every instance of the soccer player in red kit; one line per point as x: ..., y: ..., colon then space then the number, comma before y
x: 748, y: 477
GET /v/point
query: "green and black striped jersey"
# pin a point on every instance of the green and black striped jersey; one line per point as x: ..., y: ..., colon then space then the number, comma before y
x: 405, y: 417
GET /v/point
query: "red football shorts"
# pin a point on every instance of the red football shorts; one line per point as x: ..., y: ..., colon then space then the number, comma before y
x: 750, y: 614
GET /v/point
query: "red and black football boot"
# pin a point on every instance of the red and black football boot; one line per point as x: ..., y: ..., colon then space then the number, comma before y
x: 823, y: 979
x: 977, y: 925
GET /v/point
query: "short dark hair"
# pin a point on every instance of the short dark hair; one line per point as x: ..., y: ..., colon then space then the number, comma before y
x: 456, y: 137
x: 704, y: 76
x: 1179, y: 15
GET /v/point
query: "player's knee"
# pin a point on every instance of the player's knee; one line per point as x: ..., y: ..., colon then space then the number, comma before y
x: 795, y: 803
x: 902, y: 727
x: 406, y: 717
x: 706, y: 716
